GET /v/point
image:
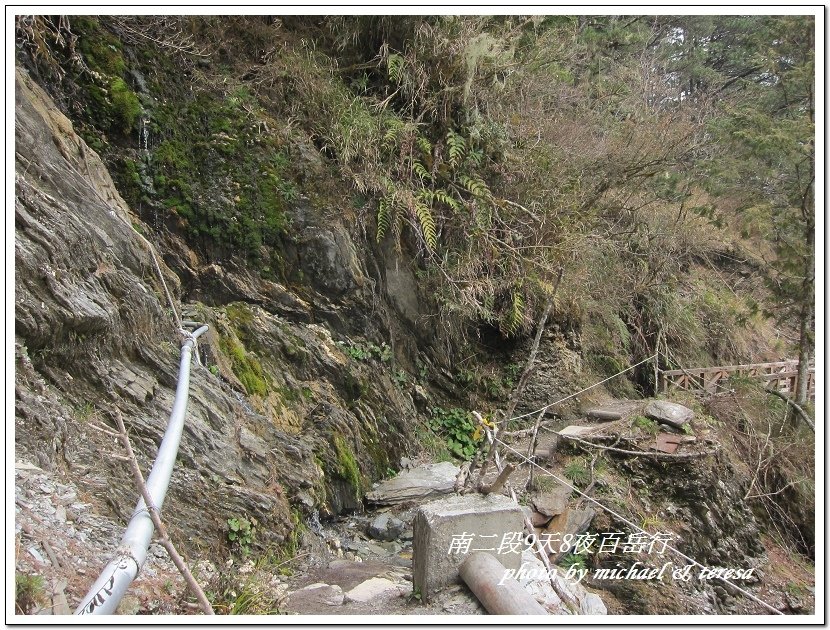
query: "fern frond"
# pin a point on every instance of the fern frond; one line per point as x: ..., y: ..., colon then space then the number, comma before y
x: 444, y: 197
x: 384, y: 218
x: 388, y: 184
x: 475, y: 156
x: 425, y: 195
x: 456, y: 146
x: 475, y: 186
x: 427, y: 223
x: 394, y: 127
x: 394, y: 67
x: 421, y: 171
x: 512, y: 322
x: 424, y: 145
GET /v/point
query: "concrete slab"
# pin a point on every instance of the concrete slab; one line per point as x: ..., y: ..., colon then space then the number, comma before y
x: 449, y: 529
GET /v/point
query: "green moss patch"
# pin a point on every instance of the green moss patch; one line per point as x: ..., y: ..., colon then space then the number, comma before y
x: 245, y: 366
x: 347, y: 467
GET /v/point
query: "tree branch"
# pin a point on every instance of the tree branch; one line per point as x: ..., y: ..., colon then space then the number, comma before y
x: 152, y: 510
x: 795, y: 406
x: 499, y: 482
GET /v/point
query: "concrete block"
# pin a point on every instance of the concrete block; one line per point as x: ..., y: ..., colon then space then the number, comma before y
x: 446, y: 531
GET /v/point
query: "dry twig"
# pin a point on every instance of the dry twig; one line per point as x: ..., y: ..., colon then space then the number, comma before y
x: 153, y: 511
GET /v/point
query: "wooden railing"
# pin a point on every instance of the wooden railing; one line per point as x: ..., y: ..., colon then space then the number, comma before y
x: 780, y: 375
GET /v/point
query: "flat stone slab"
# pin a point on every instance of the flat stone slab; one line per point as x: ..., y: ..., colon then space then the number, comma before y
x: 319, y: 593
x: 449, y: 529
x: 422, y: 482
x: 371, y: 589
x: 347, y: 574
x: 668, y: 413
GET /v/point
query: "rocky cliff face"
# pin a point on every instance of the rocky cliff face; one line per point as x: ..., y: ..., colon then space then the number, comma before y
x: 281, y: 412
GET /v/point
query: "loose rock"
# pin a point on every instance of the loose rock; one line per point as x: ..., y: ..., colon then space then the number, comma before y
x: 373, y: 588
x: 426, y: 481
x: 552, y: 502
x: 669, y: 413
x: 385, y: 527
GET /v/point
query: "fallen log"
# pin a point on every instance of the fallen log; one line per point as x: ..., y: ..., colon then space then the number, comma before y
x: 603, y: 415
x: 794, y: 405
x: 675, y: 457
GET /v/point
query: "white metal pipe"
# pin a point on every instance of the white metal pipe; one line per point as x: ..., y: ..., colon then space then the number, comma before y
x: 106, y: 593
x: 498, y: 592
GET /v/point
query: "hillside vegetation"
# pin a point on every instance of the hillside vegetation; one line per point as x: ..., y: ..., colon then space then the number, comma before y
x: 666, y: 164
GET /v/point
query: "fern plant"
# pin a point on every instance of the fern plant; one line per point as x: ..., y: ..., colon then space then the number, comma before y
x: 514, y: 317
x: 456, y: 147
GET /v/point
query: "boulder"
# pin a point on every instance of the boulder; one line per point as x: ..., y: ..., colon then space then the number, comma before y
x: 603, y: 415
x: 385, y: 527
x: 571, y: 521
x: 669, y: 413
x: 421, y: 482
x: 552, y: 502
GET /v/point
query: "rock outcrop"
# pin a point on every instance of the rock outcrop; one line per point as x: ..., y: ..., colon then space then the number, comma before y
x: 281, y: 420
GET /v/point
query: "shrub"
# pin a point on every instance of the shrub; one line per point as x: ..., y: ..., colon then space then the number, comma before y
x: 28, y: 592
x: 576, y: 472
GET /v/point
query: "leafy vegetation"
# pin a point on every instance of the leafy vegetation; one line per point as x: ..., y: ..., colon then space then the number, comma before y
x: 646, y: 424
x: 366, y: 351
x: 458, y: 428
x: 491, y: 150
x: 577, y: 471
x: 241, y: 533
x: 28, y: 592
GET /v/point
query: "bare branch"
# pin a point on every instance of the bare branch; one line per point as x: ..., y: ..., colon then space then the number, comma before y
x: 152, y: 510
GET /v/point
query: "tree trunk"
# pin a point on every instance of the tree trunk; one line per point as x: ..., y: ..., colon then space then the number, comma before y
x: 804, y: 343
